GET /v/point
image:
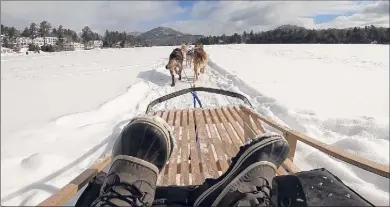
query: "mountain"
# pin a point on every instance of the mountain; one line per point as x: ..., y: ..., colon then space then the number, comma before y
x: 167, y: 36
x: 135, y: 34
x: 160, y: 32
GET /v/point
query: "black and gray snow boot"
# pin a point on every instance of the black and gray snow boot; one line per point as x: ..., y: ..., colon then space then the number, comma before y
x: 146, y: 137
x: 140, y: 152
x: 247, y: 182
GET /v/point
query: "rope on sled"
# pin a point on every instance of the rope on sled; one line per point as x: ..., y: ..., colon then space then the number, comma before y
x: 196, y: 100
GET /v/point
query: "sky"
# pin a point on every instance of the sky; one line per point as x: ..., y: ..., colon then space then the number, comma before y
x: 195, y: 17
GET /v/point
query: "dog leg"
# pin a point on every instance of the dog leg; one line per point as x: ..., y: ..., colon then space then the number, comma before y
x: 195, y: 72
x: 202, y: 69
x: 173, y: 78
x: 180, y: 69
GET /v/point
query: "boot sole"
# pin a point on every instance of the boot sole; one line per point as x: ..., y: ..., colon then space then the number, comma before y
x: 162, y: 125
x: 247, y: 153
x: 238, y: 178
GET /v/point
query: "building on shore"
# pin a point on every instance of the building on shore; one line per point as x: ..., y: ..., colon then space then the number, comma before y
x: 71, y: 46
x: 23, y: 41
x: 40, y: 41
x: 98, y: 43
x: 6, y: 50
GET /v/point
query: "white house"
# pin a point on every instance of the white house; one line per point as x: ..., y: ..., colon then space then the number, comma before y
x: 78, y: 46
x: 68, y: 46
x: 38, y: 41
x: 6, y: 50
x: 23, y: 41
x: 51, y: 40
x: 97, y: 43
x: 73, y: 46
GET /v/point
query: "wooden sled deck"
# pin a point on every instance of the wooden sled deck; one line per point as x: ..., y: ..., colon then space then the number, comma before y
x: 221, y: 131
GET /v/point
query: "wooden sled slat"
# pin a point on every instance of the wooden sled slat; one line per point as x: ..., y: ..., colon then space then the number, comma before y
x: 196, y: 175
x: 174, y: 120
x: 229, y: 147
x: 217, y: 144
x: 253, y: 125
x: 163, y: 176
x: 250, y: 129
x: 184, y: 165
x: 234, y: 139
x: 236, y: 127
x: 208, y: 162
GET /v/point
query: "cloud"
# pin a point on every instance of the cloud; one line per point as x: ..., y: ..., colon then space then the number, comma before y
x: 99, y: 15
x: 376, y: 14
x: 227, y: 17
x: 204, y: 17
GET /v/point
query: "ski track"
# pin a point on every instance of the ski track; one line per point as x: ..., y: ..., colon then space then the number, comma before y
x: 99, y: 128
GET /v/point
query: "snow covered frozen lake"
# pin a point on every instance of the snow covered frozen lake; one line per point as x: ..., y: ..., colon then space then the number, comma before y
x: 61, y: 111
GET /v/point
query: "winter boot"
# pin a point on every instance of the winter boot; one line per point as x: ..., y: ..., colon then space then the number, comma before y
x: 139, y: 154
x: 248, y: 179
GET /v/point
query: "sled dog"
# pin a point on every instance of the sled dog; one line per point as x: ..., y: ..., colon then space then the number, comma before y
x: 200, y: 60
x: 175, y: 64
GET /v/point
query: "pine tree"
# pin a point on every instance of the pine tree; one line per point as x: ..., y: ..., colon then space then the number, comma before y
x: 33, y: 30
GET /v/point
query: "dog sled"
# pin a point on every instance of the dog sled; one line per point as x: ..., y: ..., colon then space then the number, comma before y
x: 205, y: 140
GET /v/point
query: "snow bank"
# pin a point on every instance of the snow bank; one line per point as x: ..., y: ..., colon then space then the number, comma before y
x: 45, y: 142
x: 338, y: 94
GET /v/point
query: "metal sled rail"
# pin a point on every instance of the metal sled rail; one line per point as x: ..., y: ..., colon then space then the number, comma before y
x: 221, y: 132
x: 194, y: 89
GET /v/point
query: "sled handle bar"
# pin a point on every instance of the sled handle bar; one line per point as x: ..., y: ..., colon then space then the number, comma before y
x: 189, y: 90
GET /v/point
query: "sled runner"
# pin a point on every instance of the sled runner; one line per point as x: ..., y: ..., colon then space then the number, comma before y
x: 205, y: 140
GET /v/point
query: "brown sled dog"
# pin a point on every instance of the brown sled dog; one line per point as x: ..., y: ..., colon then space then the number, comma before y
x: 184, y: 50
x: 189, y: 57
x: 200, y: 59
x: 175, y: 64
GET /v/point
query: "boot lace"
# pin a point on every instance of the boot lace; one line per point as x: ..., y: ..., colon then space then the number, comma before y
x: 259, y: 197
x: 135, y: 197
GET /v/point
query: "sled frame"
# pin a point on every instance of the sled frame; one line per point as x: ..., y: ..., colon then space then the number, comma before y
x: 195, y: 89
x: 206, y: 153
x: 220, y: 132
